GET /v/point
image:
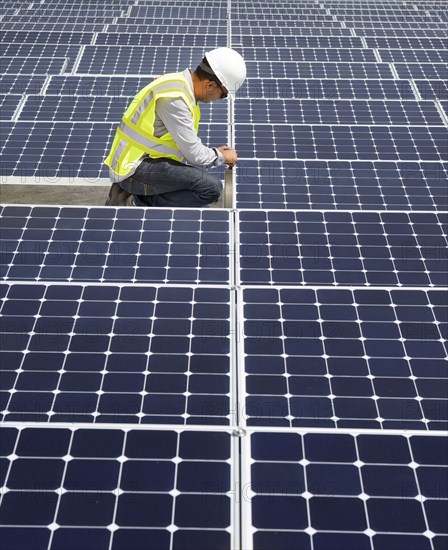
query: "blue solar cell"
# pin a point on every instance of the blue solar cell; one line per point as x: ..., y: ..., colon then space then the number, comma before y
x: 286, y: 141
x: 341, y: 248
x: 318, y: 69
x: 104, y: 254
x: 369, y: 473
x: 337, y: 111
x: 345, y: 88
x: 95, y: 363
x: 317, y: 396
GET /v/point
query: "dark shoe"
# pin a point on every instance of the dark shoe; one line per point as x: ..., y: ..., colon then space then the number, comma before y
x: 119, y: 197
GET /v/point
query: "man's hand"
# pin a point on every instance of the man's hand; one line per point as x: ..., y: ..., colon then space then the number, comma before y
x: 229, y: 154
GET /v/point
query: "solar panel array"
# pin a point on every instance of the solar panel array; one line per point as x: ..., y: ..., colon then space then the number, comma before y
x: 268, y: 376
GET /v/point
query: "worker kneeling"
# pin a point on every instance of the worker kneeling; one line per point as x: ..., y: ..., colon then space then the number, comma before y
x: 157, y: 158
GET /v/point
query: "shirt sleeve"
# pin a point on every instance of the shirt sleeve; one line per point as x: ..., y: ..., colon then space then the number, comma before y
x: 178, y: 120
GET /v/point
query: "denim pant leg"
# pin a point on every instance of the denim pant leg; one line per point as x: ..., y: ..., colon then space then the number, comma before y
x: 165, y: 182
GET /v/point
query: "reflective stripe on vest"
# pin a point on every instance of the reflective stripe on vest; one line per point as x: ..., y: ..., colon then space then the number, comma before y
x: 135, y: 135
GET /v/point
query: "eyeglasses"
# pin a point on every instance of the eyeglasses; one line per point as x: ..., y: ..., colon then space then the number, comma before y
x: 224, y: 92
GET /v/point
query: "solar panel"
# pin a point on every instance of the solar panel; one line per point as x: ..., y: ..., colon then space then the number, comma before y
x: 21, y: 84
x: 8, y: 105
x: 141, y: 12
x: 103, y: 86
x: 326, y: 490
x: 178, y: 40
x: 33, y: 65
x: 69, y: 149
x: 116, y: 354
x: 273, y: 376
x: 135, y: 60
x: 289, y: 184
x: 23, y: 37
x: 432, y: 89
x: 50, y: 27
x: 98, y: 108
x: 389, y: 32
x: 116, y: 245
x: 300, y: 42
x: 437, y: 71
x: 292, y: 69
x: 286, y: 88
x: 41, y: 51
x: 414, y: 56
x: 117, y: 487
x: 407, y: 43
x: 335, y: 358
x: 342, y: 142
x: 341, y: 55
x: 297, y: 31
x: 50, y: 149
x: 240, y: 23
x: 357, y: 111
x: 57, y: 18
x: 169, y: 25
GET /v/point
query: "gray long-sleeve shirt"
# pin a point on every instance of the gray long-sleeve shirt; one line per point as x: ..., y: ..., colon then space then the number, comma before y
x: 174, y: 116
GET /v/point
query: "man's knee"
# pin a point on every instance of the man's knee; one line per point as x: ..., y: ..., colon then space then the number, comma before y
x: 213, y: 188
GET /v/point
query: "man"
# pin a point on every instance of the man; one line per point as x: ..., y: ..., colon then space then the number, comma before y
x: 157, y: 158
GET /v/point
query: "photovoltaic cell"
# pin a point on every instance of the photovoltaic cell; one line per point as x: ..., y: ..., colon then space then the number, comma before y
x: 103, y: 86
x: 50, y: 149
x: 21, y: 84
x: 343, y: 248
x: 117, y: 245
x: 295, y: 42
x: 8, y: 105
x: 341, y: 185
x: 286, y: 88
x: 23, y: 37
x: 99, y: 108
x: 50, y: 27
x: 170, y: 25
x: 342, y: 142
x: 392, y: 32
x: 69, y: 149
x: 345, y: 358
x: 358, y: 111
x: 147, y: 355
x: 342, y: 55
x: 326, y: 490
x: 208, y: 40
x: 41, y: 51
x: 71, y: 108
x: 431, y: 71
x: 219, y: 11
x: 57, y: 19
x: 413, y: 56
x: 241, y: 22
x: 32, y: 65
x: 102, y: 487
x: 299, y: 30
x: 138, y: 59
x: 406, y: 43
x: 318, y: 70
x: 432, y: 89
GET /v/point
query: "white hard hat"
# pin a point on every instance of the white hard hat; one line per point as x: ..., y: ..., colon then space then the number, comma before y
x: 229, y: 67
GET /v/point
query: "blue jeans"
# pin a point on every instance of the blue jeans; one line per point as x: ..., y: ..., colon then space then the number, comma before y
x: 166, y: 182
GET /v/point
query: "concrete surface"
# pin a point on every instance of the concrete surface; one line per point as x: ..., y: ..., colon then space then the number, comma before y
x: 53, y: 194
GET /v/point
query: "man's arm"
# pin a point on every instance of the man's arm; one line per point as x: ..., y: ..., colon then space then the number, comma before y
x: 178, y: 120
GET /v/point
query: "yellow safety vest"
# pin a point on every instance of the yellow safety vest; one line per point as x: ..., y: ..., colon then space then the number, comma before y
x: 135, y: 135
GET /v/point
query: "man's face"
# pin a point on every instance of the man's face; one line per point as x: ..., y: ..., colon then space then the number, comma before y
x: 212, y: 91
